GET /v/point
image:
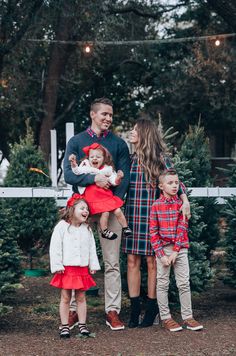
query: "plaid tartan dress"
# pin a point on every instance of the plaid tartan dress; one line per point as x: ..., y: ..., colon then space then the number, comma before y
x: 140, y: 198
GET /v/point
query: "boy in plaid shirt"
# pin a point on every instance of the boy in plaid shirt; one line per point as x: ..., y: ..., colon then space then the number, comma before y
x: 169, y: 239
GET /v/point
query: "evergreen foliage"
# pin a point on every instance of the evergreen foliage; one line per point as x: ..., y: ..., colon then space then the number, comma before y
x: 230, y: 212
x: 10, y: 256
x: 195, y: 149
x: 34, y: 218
x: 200, y: 271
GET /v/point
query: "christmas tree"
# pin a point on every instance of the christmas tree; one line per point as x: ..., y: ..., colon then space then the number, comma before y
x: 200, y: 271
x: 230, y: 213
x: 196, y: 151
x: 34, y: 218
x: 10, y: 257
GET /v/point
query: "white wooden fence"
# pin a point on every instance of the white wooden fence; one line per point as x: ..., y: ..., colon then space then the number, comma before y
x: 61, y: 194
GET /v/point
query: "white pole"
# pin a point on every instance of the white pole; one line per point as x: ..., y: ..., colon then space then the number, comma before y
x: 70, y: 131
x: 53, y: 134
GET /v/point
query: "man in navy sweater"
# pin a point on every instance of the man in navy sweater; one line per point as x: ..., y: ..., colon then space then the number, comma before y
x: 101, y: 114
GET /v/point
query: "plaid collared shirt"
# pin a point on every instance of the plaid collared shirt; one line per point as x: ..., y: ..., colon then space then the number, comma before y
x: 167, y: 225
x: 93, y: 134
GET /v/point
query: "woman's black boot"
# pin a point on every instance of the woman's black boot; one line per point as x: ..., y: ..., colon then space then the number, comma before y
x: 150, y: 313
x: 135, y: 312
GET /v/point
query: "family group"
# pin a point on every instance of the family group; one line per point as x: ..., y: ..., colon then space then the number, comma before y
x: 153, y: 224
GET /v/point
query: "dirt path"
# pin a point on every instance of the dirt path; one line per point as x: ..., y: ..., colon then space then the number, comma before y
x: 31, y: 330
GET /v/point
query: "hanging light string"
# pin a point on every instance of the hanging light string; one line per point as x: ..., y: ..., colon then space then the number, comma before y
x: 134, y: 42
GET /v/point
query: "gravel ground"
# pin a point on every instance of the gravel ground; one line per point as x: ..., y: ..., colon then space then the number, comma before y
x: 32, y: 328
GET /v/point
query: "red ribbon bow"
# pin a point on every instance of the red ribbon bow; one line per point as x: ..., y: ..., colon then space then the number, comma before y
x: 94, y: 146
x: 71, y: 201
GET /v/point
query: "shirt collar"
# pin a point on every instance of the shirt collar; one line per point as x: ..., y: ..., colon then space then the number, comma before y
x: 169, y: 200
x: 93, y: 134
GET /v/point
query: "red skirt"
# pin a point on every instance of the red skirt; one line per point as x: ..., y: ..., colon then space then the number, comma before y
x: 101, y: 200
x: 74, y: 277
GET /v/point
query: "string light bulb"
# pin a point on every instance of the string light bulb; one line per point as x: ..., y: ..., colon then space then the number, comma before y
x: 217, y: 43
x: 87, y: 49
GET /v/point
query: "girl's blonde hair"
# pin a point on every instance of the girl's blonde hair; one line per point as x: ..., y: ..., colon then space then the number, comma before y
x: 150, y: 149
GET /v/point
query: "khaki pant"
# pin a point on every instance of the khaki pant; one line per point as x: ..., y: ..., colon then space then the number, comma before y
x: 111, y: 259
x: 181, y: 271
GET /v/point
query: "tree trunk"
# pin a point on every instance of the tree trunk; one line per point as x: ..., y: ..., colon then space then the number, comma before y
x: 57, y: 62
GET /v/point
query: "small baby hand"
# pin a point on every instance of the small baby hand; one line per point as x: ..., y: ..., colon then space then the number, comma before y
x: 120, y: 174
x: 93, y: 271
x: 72, y: 159
x: 61, y: 271
x: 165, y: 261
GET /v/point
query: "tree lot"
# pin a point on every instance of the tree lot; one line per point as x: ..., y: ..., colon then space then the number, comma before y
x: 54, y: 83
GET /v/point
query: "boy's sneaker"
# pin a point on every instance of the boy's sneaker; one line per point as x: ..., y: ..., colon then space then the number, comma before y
x: 109, y: 235
x: 64, y: 332
x: 73, y: 319
x: 113, y: 320
x: 171, y: 325
x: 192, y: 324
x: 127, y: 232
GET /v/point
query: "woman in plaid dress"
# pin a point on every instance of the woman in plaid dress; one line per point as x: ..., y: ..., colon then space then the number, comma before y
x: 147, y: 162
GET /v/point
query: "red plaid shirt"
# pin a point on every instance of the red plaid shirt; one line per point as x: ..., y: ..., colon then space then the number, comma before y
x: 167, y: 225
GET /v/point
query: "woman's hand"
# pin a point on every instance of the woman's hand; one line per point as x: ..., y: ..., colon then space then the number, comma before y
x: 185, y: 208
x: 93, y: 271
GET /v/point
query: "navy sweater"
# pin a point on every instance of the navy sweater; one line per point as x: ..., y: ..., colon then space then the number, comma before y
x: 115, y: 145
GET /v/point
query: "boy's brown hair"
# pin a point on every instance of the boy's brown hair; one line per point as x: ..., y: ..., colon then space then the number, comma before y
x: 165, y: 173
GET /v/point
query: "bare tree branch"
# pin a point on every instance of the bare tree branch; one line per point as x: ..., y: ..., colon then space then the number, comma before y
x: 8, y: 43
x: 67, y: 109
x: 142, y: 11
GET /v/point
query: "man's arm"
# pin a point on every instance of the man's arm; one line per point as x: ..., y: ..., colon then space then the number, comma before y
x: 123, y: 164
x: 70, y: 178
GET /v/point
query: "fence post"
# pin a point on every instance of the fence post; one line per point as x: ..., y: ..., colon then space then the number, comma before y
x: 53, y: 172
x: 69, y: 131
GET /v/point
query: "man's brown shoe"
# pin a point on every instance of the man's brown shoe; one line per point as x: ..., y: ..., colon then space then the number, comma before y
x: 192, y: 324
x: 171, y: 325
x: 113, y: 320
x: 73, y: 319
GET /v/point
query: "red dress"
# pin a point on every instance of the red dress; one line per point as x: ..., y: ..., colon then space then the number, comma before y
x: 101, y: 200
x: 74, y: 277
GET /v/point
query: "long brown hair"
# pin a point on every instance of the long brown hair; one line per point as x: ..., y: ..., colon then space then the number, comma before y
x: 149, y: 149
x: 68, y: 212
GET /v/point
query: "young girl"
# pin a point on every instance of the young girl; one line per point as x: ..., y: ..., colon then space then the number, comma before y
x: 99, y: 161
x: 73, y: 259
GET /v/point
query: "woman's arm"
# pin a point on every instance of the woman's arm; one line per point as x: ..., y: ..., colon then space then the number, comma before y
x: 182, y: 192
x: 185, y: 208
